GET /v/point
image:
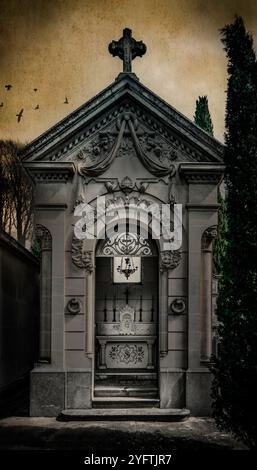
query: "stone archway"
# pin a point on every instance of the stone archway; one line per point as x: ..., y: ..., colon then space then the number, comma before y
x: 126, y: 318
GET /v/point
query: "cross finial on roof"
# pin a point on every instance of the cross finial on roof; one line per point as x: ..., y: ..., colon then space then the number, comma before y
x: 127, y: 48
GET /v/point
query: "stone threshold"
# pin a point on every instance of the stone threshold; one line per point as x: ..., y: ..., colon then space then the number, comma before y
x: 124, y: 414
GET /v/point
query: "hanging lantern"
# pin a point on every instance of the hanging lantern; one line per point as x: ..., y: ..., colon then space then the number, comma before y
x: 127, y: 267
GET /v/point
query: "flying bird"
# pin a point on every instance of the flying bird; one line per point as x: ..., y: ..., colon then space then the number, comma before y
x: 37, y: 107
x: 1, y: 105
x: 19, y: 115
x: 8, y: 87
x: 35, y: 89
x: 66, y: 100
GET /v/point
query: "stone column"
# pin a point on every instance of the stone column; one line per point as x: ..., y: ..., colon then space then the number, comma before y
x: 206, y: 293
x: 44, y: 239
x: 168, y: 260
x: 83, y: 258
x: 102, y: 360
x: 163, y: 332
x: 89, y: 312
x: 150, y: 343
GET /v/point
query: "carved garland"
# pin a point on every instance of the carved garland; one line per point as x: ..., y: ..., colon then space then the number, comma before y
x: 81, y: 259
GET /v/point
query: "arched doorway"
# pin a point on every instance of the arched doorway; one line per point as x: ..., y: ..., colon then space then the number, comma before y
x: 126, y: 321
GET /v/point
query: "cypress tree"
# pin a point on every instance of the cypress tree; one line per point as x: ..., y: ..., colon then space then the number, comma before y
x: 234, y: 387
x: 202, y: 115
x: 220, y: 243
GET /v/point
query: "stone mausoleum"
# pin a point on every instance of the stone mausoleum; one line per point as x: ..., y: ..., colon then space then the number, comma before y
x: 124, y: 321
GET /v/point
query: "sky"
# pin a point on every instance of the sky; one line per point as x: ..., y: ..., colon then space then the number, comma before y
x: 60, y: 47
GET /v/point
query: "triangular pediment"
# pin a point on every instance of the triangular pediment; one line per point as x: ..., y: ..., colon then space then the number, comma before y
x: 125, y: 119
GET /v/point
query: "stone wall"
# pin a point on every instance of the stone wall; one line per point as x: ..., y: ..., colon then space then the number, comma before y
x: 19, y: 311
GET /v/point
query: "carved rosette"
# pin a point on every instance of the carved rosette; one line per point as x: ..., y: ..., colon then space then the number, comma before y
x: 43, y: 237
x: 169, y: 260
x: 82, y: 259
x: 208, y: 236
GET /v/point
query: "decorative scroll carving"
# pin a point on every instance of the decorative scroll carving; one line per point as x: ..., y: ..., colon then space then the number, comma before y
x: 74, y: 306
x: 127, y: 353
x: 81, y: 259
x: 208, y: 236
x: 178, y: 306
x: 170, y: 259
x: 43, y: 236
x: 127, y: 244
x: 110, y: 186
x: 126, y: 185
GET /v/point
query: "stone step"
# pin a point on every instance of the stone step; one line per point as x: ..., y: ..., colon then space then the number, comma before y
x: 127, y: 379
x: 124, y: 402
x: 125, y: 414
x: 126, y: 375
x: 125, y: 391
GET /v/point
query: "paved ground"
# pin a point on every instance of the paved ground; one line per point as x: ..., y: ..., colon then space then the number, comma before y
x: 20, y: 433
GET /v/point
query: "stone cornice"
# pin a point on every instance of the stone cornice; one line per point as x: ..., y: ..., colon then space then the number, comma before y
x: 43, y: 172
x: 201, y: 173
x: 126, y: 86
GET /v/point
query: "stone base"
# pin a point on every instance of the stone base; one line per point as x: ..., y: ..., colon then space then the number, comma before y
x: 47, y: 392
x: 172, y: 389
x: 123, y: 414
x: 198, y: 389
x: 79, y: 390
x: 52, y: 391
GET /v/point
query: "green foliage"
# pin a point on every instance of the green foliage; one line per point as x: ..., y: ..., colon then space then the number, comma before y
x: 234, y: 387
x: 35, y: 249
x: 219, y: 248
x: 202, y: 115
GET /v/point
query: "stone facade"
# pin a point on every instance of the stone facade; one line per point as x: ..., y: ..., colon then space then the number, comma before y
x: 133, y: 148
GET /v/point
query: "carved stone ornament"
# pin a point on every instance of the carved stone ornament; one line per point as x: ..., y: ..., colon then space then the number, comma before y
x: 129, y: 244
x: 126, y: 185
x: 152, y: 150
x: 81, y: 259
x: 208, y: 236
x: 74, y: 306
x: 127, y: 353
x: 127, y: 48
x: 43, y: 236
x: 178, y: 306
x: 127, y: 316
x: 169, y: 260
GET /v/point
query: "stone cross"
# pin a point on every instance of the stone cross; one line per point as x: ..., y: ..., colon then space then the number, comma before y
x: 127, y: 48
